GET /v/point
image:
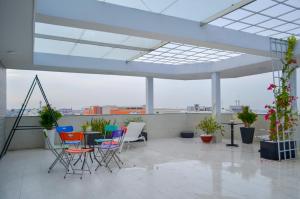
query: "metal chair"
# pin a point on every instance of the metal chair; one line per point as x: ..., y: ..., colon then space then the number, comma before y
x: 54, y: 150
x: 69, y: 153
x: 110, y: 149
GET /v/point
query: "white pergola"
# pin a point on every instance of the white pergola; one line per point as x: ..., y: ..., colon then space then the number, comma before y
x: 172, y: 39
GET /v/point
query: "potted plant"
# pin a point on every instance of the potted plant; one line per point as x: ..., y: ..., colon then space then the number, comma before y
x: 47, y: 120
x: 248, y: 118
x: 210, y: 126
x: 280, y: 114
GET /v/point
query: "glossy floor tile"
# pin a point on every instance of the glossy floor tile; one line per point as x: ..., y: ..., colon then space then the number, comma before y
x: 164, y: 168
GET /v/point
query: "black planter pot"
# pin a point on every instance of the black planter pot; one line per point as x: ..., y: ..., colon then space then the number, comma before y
x: 187, y: 134
x: 269, y: 150
x: 247, y: 135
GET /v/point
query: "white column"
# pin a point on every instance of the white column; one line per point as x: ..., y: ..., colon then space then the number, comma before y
x: 149, y: 95
x: 2, y: 105
x: 216, y: 95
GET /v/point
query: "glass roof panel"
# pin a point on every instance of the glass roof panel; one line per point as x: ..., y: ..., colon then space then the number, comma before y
x: 121, y: 54
x: 272, y: 23
x: 52, y: 46
x: 84, y: 50
x: 187, y: 9
x: 106, y: 37
x: 294, y: 3
x: 237, y: 26
x: 259, y: 5
x: 188, y: 55
x: 277, y: 10
x: 266, y: 18
x: 55, y: 30
x: 253, y: 29
x: 255, y: 19
x: 291, y: 16
x: 286, y: 27
x: 238, y: 14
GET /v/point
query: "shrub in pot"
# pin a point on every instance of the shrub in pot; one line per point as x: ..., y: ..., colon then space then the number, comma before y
x: 248, y: 118
x: 209, y: 126
x: 47, y: 120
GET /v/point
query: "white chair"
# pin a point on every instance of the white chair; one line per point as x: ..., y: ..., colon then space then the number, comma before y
x: 134, y: 129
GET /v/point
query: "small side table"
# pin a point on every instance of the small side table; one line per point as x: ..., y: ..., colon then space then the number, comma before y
x: 232, y: 124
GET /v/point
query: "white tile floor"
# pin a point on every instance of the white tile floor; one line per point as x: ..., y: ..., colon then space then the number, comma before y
x: 165, y: 168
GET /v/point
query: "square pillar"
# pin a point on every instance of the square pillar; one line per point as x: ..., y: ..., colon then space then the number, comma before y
x: 216, y: 95
x: 149, y: 95
x: 2, y: 105
x: 216, y: 101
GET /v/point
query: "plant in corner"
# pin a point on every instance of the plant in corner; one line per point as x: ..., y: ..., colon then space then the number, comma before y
x: 280, y: 114
x: 47, y: 120
x: 248, y: 118
x: 209, y: 126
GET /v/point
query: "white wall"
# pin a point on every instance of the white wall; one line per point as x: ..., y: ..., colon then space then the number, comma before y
x: 2, y: 104
x: 157, y: 126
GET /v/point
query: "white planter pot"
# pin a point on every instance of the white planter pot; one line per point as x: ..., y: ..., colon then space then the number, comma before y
x: 51, y: 136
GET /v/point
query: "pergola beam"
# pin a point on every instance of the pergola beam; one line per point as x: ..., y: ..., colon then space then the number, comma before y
x: 95, y: 43
x: 94, y: 15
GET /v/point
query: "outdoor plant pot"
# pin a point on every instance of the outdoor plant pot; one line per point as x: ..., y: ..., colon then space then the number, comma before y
x: 187, y: 134
x: 247, y: 134
x: 206, y: 138
x: 269, y: 149
x: 51, y: 136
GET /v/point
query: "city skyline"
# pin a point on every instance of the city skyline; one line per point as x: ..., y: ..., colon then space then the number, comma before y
x: 81, y: 90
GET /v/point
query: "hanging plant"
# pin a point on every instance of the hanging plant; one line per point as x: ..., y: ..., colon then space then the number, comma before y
x: 280, y: 113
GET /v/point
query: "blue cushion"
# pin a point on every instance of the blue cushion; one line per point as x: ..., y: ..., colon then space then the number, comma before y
x: 102, y: 140
x: 65, y: 129
x: 72, y: 142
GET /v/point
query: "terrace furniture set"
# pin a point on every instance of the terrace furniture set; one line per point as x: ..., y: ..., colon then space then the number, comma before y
x: 76, y: 147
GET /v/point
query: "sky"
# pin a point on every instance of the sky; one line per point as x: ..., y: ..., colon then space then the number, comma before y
x: 76, y: 90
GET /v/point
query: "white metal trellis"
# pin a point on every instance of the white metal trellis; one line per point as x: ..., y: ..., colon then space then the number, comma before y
x: 286, y: 147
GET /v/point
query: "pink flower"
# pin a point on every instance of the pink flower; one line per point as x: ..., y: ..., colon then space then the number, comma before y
x: 271, y: 86
x: 267, y: 117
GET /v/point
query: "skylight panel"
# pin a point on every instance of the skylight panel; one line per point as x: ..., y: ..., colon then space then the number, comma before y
x: 253, y: 29
x: 291, y: 16
x: 281, y: 36
x: 268, y: 33
x: 84, y: 50
x: 237, y: 26
x: 186, y: 56
x: 121, y: 54
x: 295, y: 31
x: 294, y: 3
x: 238, y: 14
x: 286, y: 27
x: 277, y: 10
x: 52, y: 46
x: 221, y: 22
x: 259, y: 5
x: 255, y: 19
x: 55, y: 30
x: 272, y: 23
x: 105, y: 37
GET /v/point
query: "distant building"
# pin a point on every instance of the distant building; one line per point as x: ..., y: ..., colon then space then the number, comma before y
x: 128, y: 110
x: 66, y: 111
x: 92, y: 110
x: 198, y: 108
x: 235, y: 108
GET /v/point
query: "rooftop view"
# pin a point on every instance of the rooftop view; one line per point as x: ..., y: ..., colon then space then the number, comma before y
x: 149, y: 99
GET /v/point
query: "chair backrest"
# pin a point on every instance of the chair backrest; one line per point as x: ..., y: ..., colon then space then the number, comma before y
x: 75, y: 136
x: 109, y: 129
x: 134, y: 129
x: 64, y: 129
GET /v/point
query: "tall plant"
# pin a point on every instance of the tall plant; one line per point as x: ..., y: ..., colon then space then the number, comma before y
x: 280, y: 113
x: 47, y: 119
x: 247, y: 116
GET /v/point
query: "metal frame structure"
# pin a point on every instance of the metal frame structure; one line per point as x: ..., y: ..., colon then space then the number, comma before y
x: 16, y: 125
x: 259, y: 25
x: 278, y: 48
